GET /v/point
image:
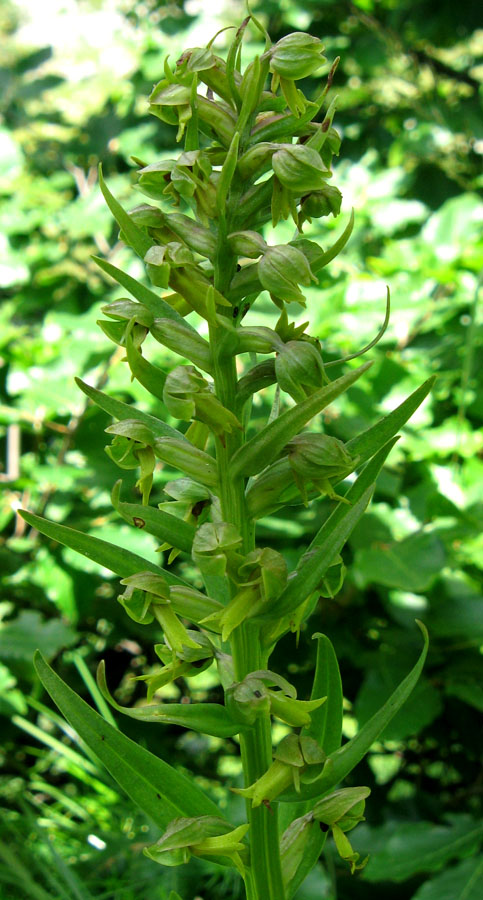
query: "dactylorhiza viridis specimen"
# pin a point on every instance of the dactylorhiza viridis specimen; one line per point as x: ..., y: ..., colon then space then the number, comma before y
x: 255, y: 150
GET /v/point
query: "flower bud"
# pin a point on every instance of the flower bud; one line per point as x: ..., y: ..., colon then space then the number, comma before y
x: 299, y: 168
x: 296, y: 56
x: 320, y: 203
x: 181, y: 454
x: 188, y: 395
x: 299, y: 369
x: 183, y: 340
x: 316, y: 458
x: 280, y: 271
x: 247, y: 243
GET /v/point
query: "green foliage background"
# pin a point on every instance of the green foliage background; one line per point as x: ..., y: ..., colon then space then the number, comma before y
x: 73, y: 93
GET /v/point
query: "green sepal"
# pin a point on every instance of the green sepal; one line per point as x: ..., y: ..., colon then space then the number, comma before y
x: 297, y: 55
x: 213, y: 546
x: 258, y: 452
x: 206, y: 836
x: 137, y: 604
x: 300, y: 847
x: 344, y: 807
x: 129, y: 309
x: 151, y: 377
x: 183, y: 341
x: 205, y: 718
x: 153, y: 785
x: 182, y: 455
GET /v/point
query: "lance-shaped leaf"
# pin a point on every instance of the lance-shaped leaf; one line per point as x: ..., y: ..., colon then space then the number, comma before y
x: 147, y: 297
x: 269, y: 442
x: 206, y: 718
x: 165, y: 527
x: 121, y: 411
x: 151, y: 377
x: 156, y: 787
x: 344, y: 760
x: 326, y: 722
x: 331, y: 537
x: 118, y: 560
x: 366, y: 444
x: 134, y: 236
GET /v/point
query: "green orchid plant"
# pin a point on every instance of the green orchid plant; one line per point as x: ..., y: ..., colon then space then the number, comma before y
x: 255, y: 150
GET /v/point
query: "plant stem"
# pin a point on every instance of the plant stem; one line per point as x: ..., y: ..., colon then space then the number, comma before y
x: 265, y: 880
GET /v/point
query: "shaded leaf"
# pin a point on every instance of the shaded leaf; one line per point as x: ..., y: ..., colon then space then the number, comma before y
x: 157, y: 788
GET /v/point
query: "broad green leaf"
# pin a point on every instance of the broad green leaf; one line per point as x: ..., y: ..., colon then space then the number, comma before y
x: 422, y: 707
x: 157, y: 788
x: 411, y: 847
x: 145, y: 295
x: 151, y: 377
x: 269, y: 442
x: 344, y: 760
x: 118, y: 560
x: 460, y: 882
x: 20, y: 637
x: 326, y: 721
x: 134, y: 236
x: 366, y: 444
x: 119, y: 410
x: 410, y: 565
x: 332, y: 536
x: 164, y: 526
x: 206, y: 718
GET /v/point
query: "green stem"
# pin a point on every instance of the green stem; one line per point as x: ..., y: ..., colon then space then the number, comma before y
x: 265, y: 878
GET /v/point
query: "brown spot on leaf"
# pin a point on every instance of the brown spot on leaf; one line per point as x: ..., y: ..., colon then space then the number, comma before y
x: 139, y: 523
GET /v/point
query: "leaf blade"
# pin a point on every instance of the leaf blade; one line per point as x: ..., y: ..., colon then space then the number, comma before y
x: 261, y: 449
x: 344, y: 760
x: 147, y: 779
x: 137, y: 239
x: 120, y: 411
x: 120, y: 561
x: 366, y: 444
x: 143, y: 294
